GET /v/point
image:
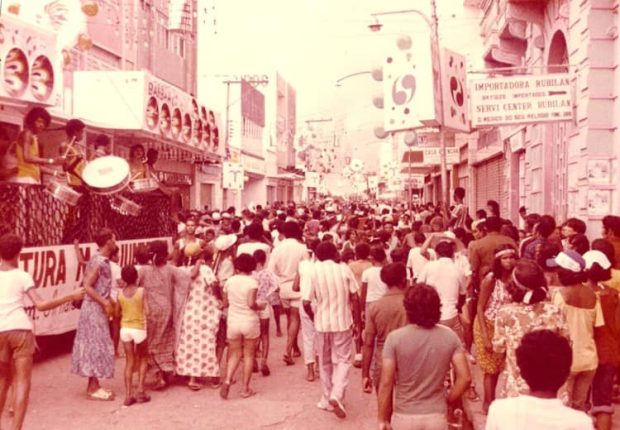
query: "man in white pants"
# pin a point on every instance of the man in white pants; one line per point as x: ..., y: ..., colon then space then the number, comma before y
x: 335, y: 291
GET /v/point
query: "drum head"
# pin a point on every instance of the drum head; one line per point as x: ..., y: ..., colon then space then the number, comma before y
x: 106, y: 172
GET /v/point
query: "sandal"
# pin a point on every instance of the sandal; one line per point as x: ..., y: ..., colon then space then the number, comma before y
x: 129, y: 401
x: 472, y: 394
x: 143, y: 398
x: 224, y: 389
x: 194, y: 386
x: 100, y: 394
x: 159, y: 385
x: 288, y: 360
x: 247, y: 394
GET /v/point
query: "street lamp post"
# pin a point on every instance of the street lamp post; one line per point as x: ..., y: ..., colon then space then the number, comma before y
x: 433, y: 24
x: 411, y: 142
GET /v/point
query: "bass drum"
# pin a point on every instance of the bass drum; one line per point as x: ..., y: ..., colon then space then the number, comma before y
x: 107, y: 175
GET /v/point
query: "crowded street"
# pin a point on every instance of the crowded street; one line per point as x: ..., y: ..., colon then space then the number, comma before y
x: 310, y: 214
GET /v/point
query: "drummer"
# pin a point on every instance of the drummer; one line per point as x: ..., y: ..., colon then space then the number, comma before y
x: 137, y: 165
x: 27, y: 150
x: 75, y: 154
x: 102, y: 147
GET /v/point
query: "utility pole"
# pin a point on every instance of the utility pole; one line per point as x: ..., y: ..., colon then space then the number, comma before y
x: 445, y: 194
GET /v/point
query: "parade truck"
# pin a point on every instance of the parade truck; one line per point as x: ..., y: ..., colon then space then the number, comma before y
x: 56, y: 227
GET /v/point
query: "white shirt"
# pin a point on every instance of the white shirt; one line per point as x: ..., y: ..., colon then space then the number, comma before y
x: 237, y: 289
x: 530, y: 413
x: 115, y: 269
x: 416, y: 261
x: 13, y: 286
x: 376, y: 288
x: 330, y: 286
x: 284, y: 263
x: 449, y: 281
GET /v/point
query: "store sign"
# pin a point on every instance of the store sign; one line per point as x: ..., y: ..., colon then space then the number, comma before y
x: 521, y: 99
x: 173, y: 178
x: 56, y: 272
x: 136, y: 100
x: 373, y: 183
x: 232, y: 176
x: 432, y: 156
x: 396, y: 183
x: 253, y: 164
x: 252, y: 104
x: 415, y: 181
x: 408, y: 87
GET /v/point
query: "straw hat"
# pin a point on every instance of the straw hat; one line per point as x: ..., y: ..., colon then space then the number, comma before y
x: 224, y: 242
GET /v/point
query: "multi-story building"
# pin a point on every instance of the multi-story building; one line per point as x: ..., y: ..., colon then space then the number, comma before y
x: 128, y: 69
x: 564, y: 168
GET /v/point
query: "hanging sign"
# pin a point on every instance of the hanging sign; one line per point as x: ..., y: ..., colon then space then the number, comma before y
x: 233, y: 176
x: 313, y: 180
x: 455, y: 101
x: 432, y: 156
x: 521, y: 99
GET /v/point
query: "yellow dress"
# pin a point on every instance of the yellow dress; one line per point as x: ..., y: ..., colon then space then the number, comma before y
x: 72, y: 156
x: 27, y: 170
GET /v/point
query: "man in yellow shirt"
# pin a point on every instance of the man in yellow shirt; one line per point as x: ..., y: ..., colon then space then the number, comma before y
x: 75, y: 155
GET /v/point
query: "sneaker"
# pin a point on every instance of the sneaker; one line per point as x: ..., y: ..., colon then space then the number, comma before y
x: 325, y: 406
x: 338, y: 407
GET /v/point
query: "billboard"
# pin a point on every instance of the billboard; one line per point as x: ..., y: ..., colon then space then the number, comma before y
x: 252, y: 104
x: 521, y: 99
x: 455, y: 100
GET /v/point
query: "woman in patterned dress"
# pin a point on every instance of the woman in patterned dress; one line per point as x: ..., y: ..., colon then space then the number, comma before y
x: 93, y: 350
x: 493, y: 295
x: 529, y: 311
x: 163, y: 286
x: 195, y: 351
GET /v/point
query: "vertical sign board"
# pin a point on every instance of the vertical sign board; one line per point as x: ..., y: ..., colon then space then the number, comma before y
x: 233, y: 176
x: 455, y: 101
x: 408, y: 87
x: 252, y: 104
x: 521, y: 99
x: 313, y: 180
x: 373, y: 183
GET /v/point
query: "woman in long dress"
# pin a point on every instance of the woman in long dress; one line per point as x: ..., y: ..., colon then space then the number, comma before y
x: 163, y: 287
x: 196, y: 350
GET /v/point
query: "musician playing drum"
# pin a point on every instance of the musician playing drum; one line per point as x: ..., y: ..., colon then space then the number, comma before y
x: 27, y: 151
x: 137, y: 166
x: 74, y: 154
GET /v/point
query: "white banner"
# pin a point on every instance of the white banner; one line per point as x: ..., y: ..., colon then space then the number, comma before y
x: 232, y: 176
x: 521, y: 99
x: 408, y: 88
x: 455, y: 101
x: 56, y: 272
x: 432, y: 156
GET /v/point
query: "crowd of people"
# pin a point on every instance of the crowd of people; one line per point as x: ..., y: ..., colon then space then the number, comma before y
x: 413, y: 296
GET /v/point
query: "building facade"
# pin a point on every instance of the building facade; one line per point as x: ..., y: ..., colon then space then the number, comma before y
x: 566, y: 168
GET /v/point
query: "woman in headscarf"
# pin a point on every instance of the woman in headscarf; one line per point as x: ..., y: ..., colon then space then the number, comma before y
x: 165, y: 288
x: 529, y: 311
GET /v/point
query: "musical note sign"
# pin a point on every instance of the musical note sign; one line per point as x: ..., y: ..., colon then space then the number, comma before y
x: 408, y: 88
x: 233, y: 176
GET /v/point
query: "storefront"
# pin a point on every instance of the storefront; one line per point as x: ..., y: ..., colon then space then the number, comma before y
x: 255, y: 186
x: 148, y: 111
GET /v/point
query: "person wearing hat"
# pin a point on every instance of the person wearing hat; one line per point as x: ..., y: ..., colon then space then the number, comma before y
x: 583, y: 313
x: 606, y: 337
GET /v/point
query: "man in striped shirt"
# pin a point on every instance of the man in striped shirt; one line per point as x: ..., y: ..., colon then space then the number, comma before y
x: 335, y: 292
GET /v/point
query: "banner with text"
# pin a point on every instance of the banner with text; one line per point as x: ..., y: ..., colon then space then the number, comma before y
x: 521, y: 99
x: 433, y: 155
x: 56, y: 272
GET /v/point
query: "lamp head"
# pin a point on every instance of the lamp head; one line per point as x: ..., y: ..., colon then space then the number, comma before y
x: 375, y: 26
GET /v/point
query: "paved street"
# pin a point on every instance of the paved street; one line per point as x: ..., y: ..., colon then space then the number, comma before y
x: 284, y: 401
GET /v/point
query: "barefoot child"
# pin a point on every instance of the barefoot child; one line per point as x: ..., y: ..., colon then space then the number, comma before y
x: 133, y: 309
